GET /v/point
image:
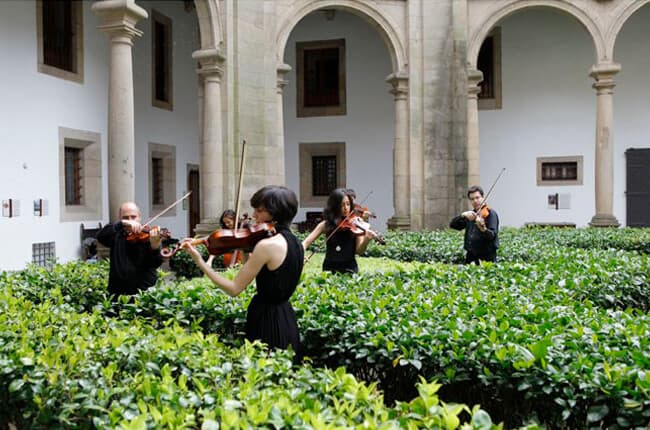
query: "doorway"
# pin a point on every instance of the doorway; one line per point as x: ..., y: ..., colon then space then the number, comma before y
x: 193, y: 185
x: 637, y: 194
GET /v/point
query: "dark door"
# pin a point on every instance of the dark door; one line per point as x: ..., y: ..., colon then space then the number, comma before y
x: 638, y: 187
x: 195, y: 200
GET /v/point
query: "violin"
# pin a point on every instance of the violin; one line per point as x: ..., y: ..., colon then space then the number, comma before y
x: 143, y: 235
x: 483, y: 211
x: 358, y: 227
x: 361, y: 210
x: 227, y: 240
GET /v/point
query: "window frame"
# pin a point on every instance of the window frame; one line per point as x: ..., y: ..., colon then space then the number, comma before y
x: 76, y: 49
x: 90, y: 207
x: 303, y: 111
x: 578, y: 159
x: 306, y: 153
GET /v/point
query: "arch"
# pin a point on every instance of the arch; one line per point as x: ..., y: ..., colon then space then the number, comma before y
x: 480, y: 32
x: 386, y: 29
x: 210, y: 25
x: 618, y: 23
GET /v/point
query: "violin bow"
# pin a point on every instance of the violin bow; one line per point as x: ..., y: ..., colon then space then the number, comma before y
x: 239, y: 187
x: 164, y: 211
x: 338, y: 226
x: 483, y: 203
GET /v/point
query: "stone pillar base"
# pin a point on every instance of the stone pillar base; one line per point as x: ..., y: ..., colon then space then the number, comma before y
x: 207, y: 226
x: 604, y: 220
x: 399, y: 223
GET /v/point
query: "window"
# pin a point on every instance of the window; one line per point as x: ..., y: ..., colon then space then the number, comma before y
x: 73, y: 174
x: 162, y: 177
x: 321, y: 78
x: 60, y: 38
x: 80, y: 178
x: 44, y: 254
x: 161, y: 49
x: 157, y: 181
x: 322, y: 169
x: 559, y: 170
x: 489, y: 62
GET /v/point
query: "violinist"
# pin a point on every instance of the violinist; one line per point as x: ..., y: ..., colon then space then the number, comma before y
x: 276, y: 265
x: 481, y: 228
x: 342, y: 243
x: 133, y: 263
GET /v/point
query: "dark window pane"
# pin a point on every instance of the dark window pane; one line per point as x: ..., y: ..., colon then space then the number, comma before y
x: 73, y: 176
x: 486, y: 65
x: 157, y: 181
x: 560, y: 171
x: 323, y: 174
x: 58, y: 34
x: 321, y: 74
x: 161, y: 59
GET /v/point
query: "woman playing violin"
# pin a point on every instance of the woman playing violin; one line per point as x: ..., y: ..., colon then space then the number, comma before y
x: 343, y: 242
x: 276, y: 265
x: 481, y: 228
x: 135, y: 254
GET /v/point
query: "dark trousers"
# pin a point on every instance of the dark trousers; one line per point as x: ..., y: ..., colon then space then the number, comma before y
x: 470, y: 257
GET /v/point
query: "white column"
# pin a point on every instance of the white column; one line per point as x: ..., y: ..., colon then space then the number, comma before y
x: 401, y: 220
x: 603, y: 73
x: 120, y: 18
x: 474, y: 78
x: 211, y: 163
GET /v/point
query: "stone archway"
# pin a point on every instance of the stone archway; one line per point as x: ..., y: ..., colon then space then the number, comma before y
x: 620, y: 20
x: 398, y: 80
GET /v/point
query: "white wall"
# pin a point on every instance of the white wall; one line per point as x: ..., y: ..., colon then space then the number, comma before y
x: 32, y: 108
x: 368, y: 129
x: 631, y: 99
x: 35, y: 105
x: 179, y: 127
x: 549, y: 109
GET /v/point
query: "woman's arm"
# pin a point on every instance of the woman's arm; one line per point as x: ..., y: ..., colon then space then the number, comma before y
x: 317, y: 231
x: 362, y: 241
x: 256, y: 260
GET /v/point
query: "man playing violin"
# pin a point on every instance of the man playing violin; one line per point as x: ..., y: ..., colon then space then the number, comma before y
x: 481, y: 228
x: 133, y: 263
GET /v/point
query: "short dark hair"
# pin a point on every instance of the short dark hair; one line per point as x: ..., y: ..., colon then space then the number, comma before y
x: 473, y: 189
x: 281, y: 203
x: 228, y: 213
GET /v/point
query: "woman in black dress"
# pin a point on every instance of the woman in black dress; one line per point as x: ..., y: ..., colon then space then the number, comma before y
x: 342, y: 244
x: 275, y: 264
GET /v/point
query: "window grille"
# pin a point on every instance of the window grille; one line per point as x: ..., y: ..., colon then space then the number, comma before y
x: 43, y: 254
x: 323, y: 174
x: 157, y: 194
x: 560, y: 171
x: 73, y: 176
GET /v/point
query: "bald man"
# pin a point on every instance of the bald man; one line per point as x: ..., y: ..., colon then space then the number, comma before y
x: 133, y: 263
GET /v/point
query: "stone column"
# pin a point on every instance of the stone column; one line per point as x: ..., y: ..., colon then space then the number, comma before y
x: 401, y: 220
x: 603, y: 74
x: 474, y: 78
x: 120, y: 18
x: 211, y: 162
x: 283, y: 70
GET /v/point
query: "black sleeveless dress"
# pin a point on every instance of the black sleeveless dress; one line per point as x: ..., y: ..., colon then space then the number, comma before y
x: 340, y: 253
x: 270, y: 317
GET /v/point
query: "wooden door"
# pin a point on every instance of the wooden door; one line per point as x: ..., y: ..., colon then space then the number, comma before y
x: 637, y: 192
x: 194, y: 216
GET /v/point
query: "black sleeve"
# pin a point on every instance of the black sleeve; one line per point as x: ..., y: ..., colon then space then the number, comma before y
x: 106, y: 235
x: 458, y: 223
x: 153, y: 258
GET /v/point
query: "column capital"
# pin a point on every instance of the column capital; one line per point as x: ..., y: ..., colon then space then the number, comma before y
x: 211, y: 62
x: 282, y: 81
x: 603, y: 74
x: 400, y: 83
x: 474, y: 78
x: 120, y: 17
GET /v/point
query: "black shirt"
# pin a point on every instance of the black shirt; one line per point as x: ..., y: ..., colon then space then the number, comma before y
x: 477, y: 242
x: 340, y: 253
x: 133, y: 264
